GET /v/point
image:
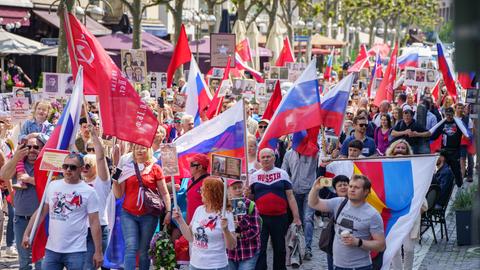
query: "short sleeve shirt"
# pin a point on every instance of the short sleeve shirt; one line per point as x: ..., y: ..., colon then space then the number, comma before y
x: 369, y: 147
x: 362, y: 222
x: 269, y: 189
x: 413, y: 126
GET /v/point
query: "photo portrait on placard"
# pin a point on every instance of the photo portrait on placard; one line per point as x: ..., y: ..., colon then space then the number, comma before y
x: 219, y: 166
x: 270, y: 85
x: 239, y: 206
x: 420, y: 75
x: 180, y: 100
x: 68, y: 85
x: 213, y: 84
x: 50, y: 83
x: 225, y: 89
x: 238, y: 87
x: 134, y: 65
x: 163, y: 80
x: 260, y: 90
x: 431, y: 76
x: 218, y: 72
x: 472, y: 95
x: 274, y: 73
x: 409, y: 74
x: 153, y: 78
x: 20, y: 92
x: 283, y: 73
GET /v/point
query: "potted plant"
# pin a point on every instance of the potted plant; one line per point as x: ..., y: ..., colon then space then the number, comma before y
x: 463, y: 215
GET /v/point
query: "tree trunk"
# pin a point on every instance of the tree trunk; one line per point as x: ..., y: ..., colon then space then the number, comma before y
x: 241, y: 10
x: 136, y: 12
x: 346, y: 34
x: 177, y: 16
x: 63, y: 61
x: 272, y: 15
x: 371, y: 38
x: 385, y: 28
x: 211, y: 11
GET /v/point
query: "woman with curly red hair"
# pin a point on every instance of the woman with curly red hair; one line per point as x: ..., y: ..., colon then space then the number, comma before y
x: 209, y: 233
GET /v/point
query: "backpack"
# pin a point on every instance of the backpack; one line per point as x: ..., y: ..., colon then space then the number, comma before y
x: 251, y: 208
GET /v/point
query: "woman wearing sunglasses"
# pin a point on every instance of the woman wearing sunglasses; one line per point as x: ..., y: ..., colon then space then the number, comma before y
x: 95, y: 173
x: 138, y: 225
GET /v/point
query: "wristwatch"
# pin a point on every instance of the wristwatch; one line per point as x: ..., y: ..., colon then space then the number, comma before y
x: 360, y: 242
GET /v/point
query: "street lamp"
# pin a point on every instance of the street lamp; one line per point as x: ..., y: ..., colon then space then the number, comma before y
x: 197, y: 19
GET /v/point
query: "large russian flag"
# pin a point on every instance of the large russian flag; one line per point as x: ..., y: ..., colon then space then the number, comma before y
x: 398, y: 197
x: 447, y: 71
x: 334, y: 103
x: 408, y: 60
x: 223, y: 135
x: 198, y: 94
x: 62, y: 137
x: 302, y: 101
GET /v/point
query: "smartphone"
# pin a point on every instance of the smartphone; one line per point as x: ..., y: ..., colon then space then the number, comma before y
x: 161, y: 102
x: 326, y: 181
x: 23, y: 145
x: 117, y: 174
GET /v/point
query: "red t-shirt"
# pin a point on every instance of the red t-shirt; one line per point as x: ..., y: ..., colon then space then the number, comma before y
x: 194, y: 198
x: 149, y: 180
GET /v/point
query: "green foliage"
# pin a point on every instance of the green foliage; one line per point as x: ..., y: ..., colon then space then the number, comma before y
x: 162, y: 252
x: 464, y: 198
x: 446, y: 32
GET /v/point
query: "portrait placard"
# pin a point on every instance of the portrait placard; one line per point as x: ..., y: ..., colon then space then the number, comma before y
x: 221, y: 46
x: 168, y: 155
x: 134, y: 65
x: 225, y: 166
x: 53, y: 160
x: 20, y: 109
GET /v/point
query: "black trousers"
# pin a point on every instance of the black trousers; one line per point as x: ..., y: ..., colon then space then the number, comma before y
x: 275, y: 227
x: 453, y: 160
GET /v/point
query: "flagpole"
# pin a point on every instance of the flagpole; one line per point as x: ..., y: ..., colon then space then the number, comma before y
x: 39, y: 210
x: 387, y: 157
x: 245, y: 141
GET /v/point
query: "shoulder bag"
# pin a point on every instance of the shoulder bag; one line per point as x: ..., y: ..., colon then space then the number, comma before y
x: 148, y: 197
x: 326, y: 237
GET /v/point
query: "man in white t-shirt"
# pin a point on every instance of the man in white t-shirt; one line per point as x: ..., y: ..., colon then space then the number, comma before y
x: 69, y: 202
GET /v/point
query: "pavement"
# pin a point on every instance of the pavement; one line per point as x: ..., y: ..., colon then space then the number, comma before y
x: 428, y: 255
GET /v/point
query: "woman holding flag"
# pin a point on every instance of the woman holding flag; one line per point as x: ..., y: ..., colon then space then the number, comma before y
x: 138, y: 225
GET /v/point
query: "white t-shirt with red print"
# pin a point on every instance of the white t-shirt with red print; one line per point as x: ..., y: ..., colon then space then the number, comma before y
x: 208, y: 250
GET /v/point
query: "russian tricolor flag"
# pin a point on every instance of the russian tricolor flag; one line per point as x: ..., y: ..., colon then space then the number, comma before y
x: 302, y: 101
x: 447, y: 71
x: 376, y: 73
x: 334, y: 104
x: 408, y: 60
x: 62, y: 137
x: 223, y: 135
x: 328, y: 70
x: 198, y: 94
x: 240, y: 65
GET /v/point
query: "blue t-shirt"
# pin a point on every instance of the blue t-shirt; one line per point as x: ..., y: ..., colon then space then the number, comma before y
x: 369, y: 147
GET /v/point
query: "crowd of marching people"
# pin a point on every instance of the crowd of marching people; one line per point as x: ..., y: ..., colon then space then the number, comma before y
x: 284, y: 187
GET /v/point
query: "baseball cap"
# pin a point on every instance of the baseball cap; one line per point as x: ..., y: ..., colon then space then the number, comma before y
x: 201, y: 159
x: 349, y: 110
x: 230, y: 182
x: 407, y: 108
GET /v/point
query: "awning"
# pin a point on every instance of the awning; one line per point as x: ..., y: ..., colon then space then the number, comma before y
x: 53, y: 51
x: 94, y: 27
x: 156, y: 30
x: 14, y: 14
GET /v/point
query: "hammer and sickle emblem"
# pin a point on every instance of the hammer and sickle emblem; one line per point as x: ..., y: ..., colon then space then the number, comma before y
x: 84, y: 52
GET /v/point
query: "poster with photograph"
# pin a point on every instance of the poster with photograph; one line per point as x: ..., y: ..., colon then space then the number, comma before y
x: 25, y: 92
x: 53, y: 160
x: 237, y: 88
x: 218, y: 72
x: 283, y: 73
x: 225, y: 166
x: 221, y: 47
x: 213, y: 83
x: 134, y: 65
x: 225, y: 88
x: 50, y: 83
x: 420, y: 74
x: 410, y: 75
x: 180, y: 100
x: 260, y: 90
x: 472, y: 96
x: 266, y: 67
x: 239, y: 207
x: 19, y: 109
x: 153, y: 80
x: 431, y: 77
x: 249, y: 89
x: 57, y: 85
x: 275, y: 73
x: 270, y: 86
x: 474, y: 110
x: 168, y: 155
x: 5, y: 104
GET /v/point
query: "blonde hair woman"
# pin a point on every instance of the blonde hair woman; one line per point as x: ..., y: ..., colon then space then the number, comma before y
x: 138, y: 225
x: 399, y: 147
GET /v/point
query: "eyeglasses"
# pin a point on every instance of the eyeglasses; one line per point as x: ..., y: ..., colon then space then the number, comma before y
x: 90, y: 149
x: 262, y: 127
x: 72, y: 167
x: 36, y: 147
x: 194, y: 165
x: 362, y: 125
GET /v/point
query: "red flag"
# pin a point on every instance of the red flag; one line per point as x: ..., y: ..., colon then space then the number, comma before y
x: 286, y: 55
x: 181, y: 55
x: 447, y: 71
x: 243, y: 50
x: 436, y: 90
x: 273, y: 102
x: 465, y: 79
x: 216, y: 104
x: 361, y: 61
x: 328, y: 70
x: 385, y: 89
x: 124, y: 115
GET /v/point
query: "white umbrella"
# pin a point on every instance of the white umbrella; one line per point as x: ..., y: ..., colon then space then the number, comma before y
x: 15, y: 44
x: 275, y: 40
x: 253, y: 36
x: 240, y: 31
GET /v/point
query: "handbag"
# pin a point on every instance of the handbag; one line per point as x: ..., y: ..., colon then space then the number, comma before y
x: 148, y: 197
x: 326, y: 237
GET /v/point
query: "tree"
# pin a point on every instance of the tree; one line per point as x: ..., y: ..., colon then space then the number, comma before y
x: 446, y: 32
x: 63, y: 61
x: 210, y: 10
x: 177, y: 11
x: 136, y: 9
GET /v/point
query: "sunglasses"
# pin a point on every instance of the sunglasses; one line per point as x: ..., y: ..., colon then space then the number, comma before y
x: 177, y: 121
x: 72, y: 167
x: 90, y: 149
x: 88, y: 166
x: 194, y: 165
x: 36, y: 147
x: 262, y: 127
x: 362, y: 125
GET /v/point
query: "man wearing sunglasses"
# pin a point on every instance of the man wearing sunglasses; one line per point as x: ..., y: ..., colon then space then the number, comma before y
x: 360, y: 124
x: 25, y: 200
x: 69, y: 202
x: 410, y: 130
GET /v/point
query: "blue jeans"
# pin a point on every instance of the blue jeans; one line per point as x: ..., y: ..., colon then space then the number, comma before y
x: 57, y: 261
x: 194, y: 268
x: 368, y: 267
x: 88, y: 265
x: 24, y: 255
x: 307, y: 216
x: 10, y: 234
x: 137, y: 233
x: 248, y: 264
